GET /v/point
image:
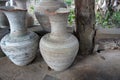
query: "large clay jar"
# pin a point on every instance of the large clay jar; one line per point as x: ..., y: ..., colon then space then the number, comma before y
x: 19, y: 45
x: 21, y: 4
x: 2, y: 2
x: 59, y: 48
x: 3, y: 19
x: 40, y: 14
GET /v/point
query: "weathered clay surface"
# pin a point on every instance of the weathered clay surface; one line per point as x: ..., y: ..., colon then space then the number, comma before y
x: 42, y: 7
x: 59, y: 48
x: 59, y: 55
x: 19, y: 45
x: 20, y: 51
x: 22, y: 4
x: 102, y: 66
x: 3, y: 32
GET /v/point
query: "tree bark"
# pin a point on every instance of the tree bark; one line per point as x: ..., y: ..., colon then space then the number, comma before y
x: 85, y: 25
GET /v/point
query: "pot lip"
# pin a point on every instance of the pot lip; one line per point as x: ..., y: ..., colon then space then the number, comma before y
x: 62, y: 10
x: 58, y: 11
x: 10, y: 9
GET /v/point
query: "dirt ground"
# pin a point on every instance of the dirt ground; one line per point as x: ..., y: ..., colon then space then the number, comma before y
x: 100, y: 66
x: 104, y: 65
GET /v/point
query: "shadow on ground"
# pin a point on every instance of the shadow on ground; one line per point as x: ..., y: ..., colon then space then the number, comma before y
x: 101, y: 66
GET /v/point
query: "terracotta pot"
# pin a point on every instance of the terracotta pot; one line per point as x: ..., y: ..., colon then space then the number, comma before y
x: 40, y: 9
x: 20, y: 46
x: 59, y: 48
x: 21, y: 4
x: 3, y: 19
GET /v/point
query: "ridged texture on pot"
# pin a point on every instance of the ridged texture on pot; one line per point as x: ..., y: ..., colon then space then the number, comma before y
x: 59, y: 48
x: 20, y: 51
x: 59, y: 55
x: 44, y: 5
x: 19, y: 45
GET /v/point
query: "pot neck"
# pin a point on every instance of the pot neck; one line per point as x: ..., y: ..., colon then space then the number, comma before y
x: 21, y: 4
x: 17, y: 23
x: 58, y: 25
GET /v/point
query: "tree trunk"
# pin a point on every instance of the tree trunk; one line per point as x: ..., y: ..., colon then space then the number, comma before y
x: 85, y: 25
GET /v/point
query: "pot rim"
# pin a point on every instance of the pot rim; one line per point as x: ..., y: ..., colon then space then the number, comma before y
x: 58, y: 11
x: 10, y: 9
x: 62, y: 10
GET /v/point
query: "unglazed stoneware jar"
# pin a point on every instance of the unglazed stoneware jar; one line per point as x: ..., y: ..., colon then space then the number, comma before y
x: 41, y: 8
x: 3, y: 19
x: 20, y: 46
x: 59, y: 48
x: 22, y: 4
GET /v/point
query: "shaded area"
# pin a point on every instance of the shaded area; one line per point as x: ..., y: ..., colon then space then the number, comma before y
x: 100, y: 66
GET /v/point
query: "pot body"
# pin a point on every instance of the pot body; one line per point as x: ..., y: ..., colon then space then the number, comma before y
x: 59, y: 55
x: 40, y: 14
x: 3, y: 32
x: 59, y: 48
x: 2, y: 3
x: 22, y: 4
x: 3, y: 19
x: 20, y: 46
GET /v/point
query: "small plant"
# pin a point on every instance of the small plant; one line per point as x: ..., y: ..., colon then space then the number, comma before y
x: 116, y: 18
x: 108, y: 21
x: 68, y: 2
x: 71, y: 17
x: 104, y: 21
x: 31, y: 9
x: 108, y: 18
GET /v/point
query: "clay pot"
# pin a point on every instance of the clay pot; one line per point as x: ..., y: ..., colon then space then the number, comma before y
x: 21, y: 4
x: 3, y: 19
x: 2, y: 3
x: 59, y: 48
x: 40, y: 14
x: 19, y: 45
